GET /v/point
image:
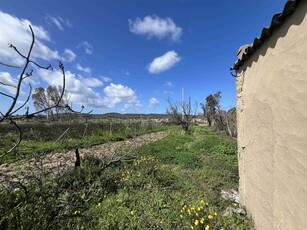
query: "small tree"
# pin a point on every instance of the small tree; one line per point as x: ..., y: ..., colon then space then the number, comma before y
x: 207, y: 114
x: 217, y: 117
x: 44, y: 98
x: 182, y: 113
x: 213, y: 112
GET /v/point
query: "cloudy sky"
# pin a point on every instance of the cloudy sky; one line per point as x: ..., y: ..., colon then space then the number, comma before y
x: 130, y: 56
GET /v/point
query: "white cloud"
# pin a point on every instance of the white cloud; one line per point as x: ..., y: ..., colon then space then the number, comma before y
x: 88, y: 48
x: 105, y: 79
x: 116, y: 94
x: 58, y: 22
x: 92, y: 82
x: 164, y: 62
x: 81, y: 91
x: 154, y: 26
x: 70, y: 55
x: 86, y: 70
x: 16, y: 31
x: 119, y: 91
x: 168, y: 84
x: 7, y: 82
x: 78, y: 90
x: 153, y: 102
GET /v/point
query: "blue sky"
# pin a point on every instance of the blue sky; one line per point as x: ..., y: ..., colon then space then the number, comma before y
x: 130, y: 56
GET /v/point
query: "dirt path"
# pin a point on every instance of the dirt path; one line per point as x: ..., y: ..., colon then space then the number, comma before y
x: 59, y: 162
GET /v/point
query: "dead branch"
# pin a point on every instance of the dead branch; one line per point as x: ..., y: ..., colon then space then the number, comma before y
x: 9, y: 114
x: 26, y: 101
x: 10, y: 66
x: 16, y: 143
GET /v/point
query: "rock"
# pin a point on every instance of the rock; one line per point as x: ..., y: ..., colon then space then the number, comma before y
x: 232, y: 195
x: 231, y: 211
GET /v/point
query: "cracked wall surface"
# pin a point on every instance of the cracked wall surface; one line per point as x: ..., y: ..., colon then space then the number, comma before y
x: 272, y: 128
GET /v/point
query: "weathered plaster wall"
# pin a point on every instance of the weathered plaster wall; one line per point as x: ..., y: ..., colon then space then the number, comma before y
x: 272, y: 128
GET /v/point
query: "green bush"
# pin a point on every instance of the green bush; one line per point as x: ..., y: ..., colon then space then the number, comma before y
x: 225, y: 148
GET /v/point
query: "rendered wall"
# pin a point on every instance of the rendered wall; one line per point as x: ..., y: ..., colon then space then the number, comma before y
x: 272, y: 128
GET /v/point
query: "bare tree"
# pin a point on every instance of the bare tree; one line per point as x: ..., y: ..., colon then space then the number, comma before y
x: 213, y: 111
x: 41, y: 100
x: 231, y: 121
x: 182, y: 113
x: 207, y: 113
x: 217, y: 117
x: 44, y: 98
x: 10, y: 112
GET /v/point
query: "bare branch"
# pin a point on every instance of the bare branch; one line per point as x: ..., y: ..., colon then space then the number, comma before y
x: 182, y: 113
x: 6, y: 84
x: 16, y: 143
x: 8, y: 115
x: 28, y: 74
x: 4, y: 94
x: 14, y: 47
x: 48, y: 67
x: 11, y: 66
x: 73, y: 111
x: 22, y: 73
x: 28, y: 98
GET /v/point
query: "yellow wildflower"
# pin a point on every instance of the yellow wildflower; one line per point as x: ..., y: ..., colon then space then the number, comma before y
x: 210, y: 217
x: 196, y: 222
x: 202, y: 220
x: 192, y: 227
x: 198, y: 209
x: 207, y: 227
x: 181, y: 216
x: 132, y: 212
x: 196, y: 214
x: 215, y: 213
x: 202, y: 201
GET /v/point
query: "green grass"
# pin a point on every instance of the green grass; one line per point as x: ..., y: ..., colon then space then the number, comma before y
x: 40, y: 137
x: 156, y: 188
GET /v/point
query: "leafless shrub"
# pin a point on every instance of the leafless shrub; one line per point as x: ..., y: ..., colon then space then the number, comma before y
x: 182, y: 113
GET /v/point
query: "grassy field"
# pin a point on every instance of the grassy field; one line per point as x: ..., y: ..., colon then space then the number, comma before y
x: 174, y: 183
x: 38, y: 137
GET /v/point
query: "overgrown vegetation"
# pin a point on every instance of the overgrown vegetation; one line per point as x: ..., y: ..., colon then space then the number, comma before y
x: 174, y: 183
x: 45, y: 136
x: 217, y: 117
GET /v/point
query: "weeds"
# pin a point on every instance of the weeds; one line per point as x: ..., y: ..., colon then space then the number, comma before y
x: 42, y: 137
x: 174, y: 183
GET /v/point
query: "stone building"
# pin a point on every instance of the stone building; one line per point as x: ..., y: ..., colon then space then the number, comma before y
x: 271, y: 76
